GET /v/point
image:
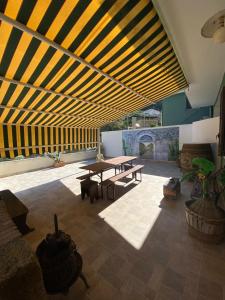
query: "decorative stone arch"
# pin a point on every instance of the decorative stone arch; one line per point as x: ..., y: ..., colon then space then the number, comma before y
x: 146, y: 138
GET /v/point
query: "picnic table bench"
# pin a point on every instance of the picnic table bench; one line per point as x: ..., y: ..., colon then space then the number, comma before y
x: 88, y: 186
x: 110, y: 182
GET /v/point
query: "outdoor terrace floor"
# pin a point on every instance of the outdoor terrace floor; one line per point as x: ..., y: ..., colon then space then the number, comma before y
x: 136, y: 247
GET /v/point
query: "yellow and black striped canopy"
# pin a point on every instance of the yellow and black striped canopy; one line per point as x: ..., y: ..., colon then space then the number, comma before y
x: 79, y: 64
x: 114, y: 57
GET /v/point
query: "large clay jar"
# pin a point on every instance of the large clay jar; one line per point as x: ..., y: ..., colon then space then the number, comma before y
x: 190, y: 151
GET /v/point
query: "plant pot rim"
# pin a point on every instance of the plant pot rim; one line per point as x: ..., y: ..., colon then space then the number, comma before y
x: 210, y: 220
x: 59, y: 164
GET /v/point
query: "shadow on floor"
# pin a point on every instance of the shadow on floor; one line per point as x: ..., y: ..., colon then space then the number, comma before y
x: 136, y: 247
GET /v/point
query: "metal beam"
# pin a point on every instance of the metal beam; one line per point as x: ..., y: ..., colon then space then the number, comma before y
x: 13, y: 81
x: 43, y: 146
x: 52, y: 113
x: 49, y: 126
x: 42, y: 38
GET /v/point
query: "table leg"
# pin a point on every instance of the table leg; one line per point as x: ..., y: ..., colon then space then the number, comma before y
x: 101, y: 185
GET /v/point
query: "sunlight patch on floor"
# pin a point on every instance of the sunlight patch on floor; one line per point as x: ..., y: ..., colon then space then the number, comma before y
x: 134, y: 226
x: 134, y: 217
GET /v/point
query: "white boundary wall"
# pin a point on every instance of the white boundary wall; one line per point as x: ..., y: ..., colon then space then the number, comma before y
x: 12, y: 167
x: 112, y: 143
x: 204, y: 131
x: 185, y: 135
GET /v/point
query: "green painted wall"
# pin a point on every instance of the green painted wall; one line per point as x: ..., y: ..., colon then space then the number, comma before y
x: 176, y: 111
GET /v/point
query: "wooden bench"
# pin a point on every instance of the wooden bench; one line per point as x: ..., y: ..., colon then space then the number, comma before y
x: 110, y: 182
x: 89, y: 187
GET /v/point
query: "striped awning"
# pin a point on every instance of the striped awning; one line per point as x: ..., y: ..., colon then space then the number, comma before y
x: 82, y: 63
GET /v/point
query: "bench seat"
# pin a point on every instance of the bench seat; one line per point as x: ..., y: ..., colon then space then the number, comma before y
x: 112, y: 180
x: 89, y: 187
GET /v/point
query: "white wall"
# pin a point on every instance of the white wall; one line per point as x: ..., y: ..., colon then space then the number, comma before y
x: 112, y: 143
x: 205, y: 131
x: 78, y: 156
x: 12, y: 167
x: 185, y: 135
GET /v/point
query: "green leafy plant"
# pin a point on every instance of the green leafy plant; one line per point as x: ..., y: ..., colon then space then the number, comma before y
x: 173, y: 150
x: 19, y: 157
x: 54, y: 155
x: 220, y: 186
x: 221, y: 178
x: 212, y: 182
x: 204, y: 172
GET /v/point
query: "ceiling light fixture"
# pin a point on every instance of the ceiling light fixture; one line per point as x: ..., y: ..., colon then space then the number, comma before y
x: 215, y: 27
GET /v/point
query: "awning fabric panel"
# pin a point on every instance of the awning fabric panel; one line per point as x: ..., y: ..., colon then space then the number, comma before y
x: 30, y: 140
x: 114, y: 57
x: 124, y: 39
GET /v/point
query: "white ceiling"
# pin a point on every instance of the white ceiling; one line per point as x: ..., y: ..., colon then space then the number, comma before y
x: 202, y: 60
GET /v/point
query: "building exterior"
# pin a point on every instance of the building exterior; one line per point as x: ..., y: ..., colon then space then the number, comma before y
x: 176, y: 110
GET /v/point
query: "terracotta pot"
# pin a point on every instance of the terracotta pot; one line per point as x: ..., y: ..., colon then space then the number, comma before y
x: 58, y: 164
x: 205, y: 220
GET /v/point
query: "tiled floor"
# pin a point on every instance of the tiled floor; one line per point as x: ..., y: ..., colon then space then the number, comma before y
x: 134, y: 248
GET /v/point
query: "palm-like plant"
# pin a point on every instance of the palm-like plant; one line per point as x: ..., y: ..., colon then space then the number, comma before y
x: 205, y: 218
x: 212, y: 185
x: 55, y: 156
x: 203, y: 171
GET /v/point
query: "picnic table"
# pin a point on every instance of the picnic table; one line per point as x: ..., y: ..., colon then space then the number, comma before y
x: 99, y: 167
x: 121, y: 160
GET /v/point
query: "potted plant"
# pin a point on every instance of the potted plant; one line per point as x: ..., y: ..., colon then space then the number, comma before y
x: 56, y: 157
x: 205, y: 219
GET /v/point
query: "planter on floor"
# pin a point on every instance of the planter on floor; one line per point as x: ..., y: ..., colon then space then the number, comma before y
x: 205, y: 220
x: 59, y: 164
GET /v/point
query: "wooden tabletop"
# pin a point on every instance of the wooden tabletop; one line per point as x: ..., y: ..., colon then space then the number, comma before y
x: 98, y: 166
x: 120, y: 160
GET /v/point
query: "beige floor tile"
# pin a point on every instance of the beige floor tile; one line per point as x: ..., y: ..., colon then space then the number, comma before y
x: 135, y: 248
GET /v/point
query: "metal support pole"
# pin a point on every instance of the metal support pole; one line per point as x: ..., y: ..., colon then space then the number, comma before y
x: 100, y: 156
x: 99, y: 142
